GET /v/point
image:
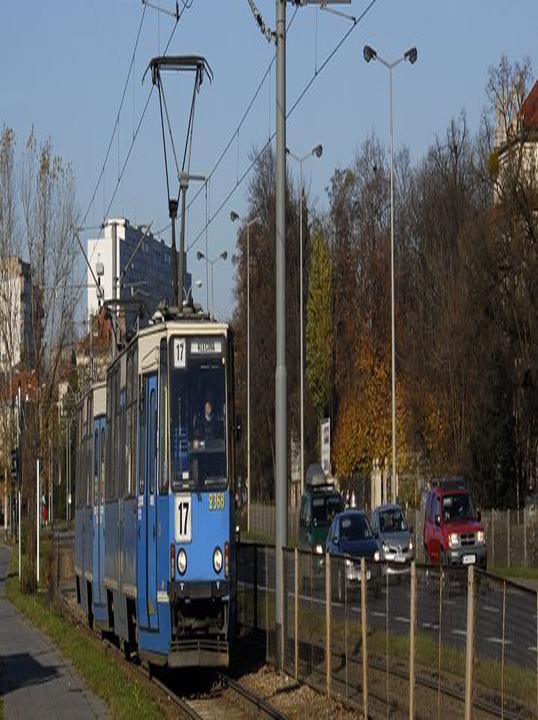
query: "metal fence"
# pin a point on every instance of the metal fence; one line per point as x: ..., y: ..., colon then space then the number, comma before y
x: 429, y: 643
x: 512, y: 535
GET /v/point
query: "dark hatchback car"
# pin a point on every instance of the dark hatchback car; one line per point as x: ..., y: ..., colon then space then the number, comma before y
x: 351, y: 538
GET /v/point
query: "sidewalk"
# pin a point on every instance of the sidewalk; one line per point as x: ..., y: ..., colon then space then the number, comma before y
x: 35, y: 681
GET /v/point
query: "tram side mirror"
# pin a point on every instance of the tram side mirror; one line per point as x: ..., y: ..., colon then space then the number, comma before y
x: 238, y: 428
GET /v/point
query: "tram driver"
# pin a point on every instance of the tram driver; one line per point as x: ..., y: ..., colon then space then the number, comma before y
x: 207, y: 426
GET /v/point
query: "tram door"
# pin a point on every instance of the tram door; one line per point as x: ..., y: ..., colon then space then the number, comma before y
x: 98, y: 479
x: 147, y: 522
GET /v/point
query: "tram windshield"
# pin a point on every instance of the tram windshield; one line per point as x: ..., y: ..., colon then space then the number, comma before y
x: 198, y: 422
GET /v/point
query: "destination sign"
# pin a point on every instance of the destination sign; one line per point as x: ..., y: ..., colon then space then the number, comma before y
x: 206, y: 347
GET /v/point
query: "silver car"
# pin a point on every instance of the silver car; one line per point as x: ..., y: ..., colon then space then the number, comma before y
x: 394, y: 535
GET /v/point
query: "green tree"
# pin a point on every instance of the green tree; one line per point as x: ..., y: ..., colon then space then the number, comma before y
x: 319, y: 325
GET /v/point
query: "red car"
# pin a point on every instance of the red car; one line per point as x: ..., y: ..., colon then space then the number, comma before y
x: 453, y: 532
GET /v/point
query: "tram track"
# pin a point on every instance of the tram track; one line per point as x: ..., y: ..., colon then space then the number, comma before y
x: 224, y: 699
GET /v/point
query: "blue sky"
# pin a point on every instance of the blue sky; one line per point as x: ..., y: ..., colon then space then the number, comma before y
x: 64, y: 64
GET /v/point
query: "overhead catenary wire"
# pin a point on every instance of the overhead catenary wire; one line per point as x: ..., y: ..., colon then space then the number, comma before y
x: 128, y: 155
x: 317, y: 72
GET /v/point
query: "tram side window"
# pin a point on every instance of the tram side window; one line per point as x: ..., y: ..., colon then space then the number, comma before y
x: 96, y: 467
x: 134, y: 395
x: 152, y: 440
x: 128, y: 413
x: 142, y: 438
x: 116, y: 434
x: 103, y: 441
x: 89, y: 435
x: 163, y: 420
x: 123, y: 465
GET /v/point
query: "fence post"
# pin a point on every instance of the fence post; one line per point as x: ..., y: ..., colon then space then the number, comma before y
x: 328, y: 622
x: 493, y: 537
x: 525, y: 556
x: 256, y: 588
x: 508, y: 537
x: 412, y: 631
x: 469, y: 651
x: 296, y: 614
x: 364, y: 634
x: 284, y: 610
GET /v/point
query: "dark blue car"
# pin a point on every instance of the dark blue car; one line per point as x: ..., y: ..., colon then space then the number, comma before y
x: 351, y: 538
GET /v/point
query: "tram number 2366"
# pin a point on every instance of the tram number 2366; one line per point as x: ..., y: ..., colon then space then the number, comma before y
x: 216, y: 501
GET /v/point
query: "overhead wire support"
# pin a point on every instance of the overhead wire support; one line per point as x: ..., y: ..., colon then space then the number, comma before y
x: 200, y: 67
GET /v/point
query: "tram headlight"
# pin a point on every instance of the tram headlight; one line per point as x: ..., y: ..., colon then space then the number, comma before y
x: 217, y: 560
x: 182, y: 562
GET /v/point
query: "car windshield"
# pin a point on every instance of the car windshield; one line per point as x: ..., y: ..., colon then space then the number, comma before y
x: 458, y: 507
x: 198, y: 416
x: 392, y: 521
x: 325, y: 508
x: 355, y: 527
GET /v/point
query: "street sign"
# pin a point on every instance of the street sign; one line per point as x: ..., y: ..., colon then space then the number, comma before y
x: 326, y: 446
x: 15, y: 465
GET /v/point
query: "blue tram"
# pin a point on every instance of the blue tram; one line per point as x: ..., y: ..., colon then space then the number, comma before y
x: 155, y: 500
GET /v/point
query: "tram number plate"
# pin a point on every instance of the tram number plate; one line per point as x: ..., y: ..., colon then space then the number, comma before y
x: 183, y: 519
x: 216, y: 501
x: 180, y: 360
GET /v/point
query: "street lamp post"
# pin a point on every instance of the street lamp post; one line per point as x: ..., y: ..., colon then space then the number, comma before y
x: 233, y: 217
x: 223, y: 255
x: 315, y: 152
x: 411, y: 56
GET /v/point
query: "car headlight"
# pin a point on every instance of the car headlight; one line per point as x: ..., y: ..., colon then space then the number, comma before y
x: 385, y: 548
x: 377, y: 556
x: 410, y: 545
x: 480, y: 537
x: 217, y: 560
x: 453, y: 540
x: 318, y: 549
x: 182, y: 561
x: 348, y: 563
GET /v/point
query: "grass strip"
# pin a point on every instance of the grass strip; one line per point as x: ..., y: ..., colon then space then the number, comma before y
x: 515, y: 571
x: 520, y: 684
x: 125, y: 694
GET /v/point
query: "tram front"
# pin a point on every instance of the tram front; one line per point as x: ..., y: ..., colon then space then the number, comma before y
x: 201, y: 512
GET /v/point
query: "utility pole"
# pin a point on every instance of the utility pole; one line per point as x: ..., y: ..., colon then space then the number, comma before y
x: 281, y: 420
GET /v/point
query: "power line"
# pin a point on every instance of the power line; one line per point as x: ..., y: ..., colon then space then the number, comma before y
x: 135, y: 135
x: 317, y: 72
x: 116, y: 123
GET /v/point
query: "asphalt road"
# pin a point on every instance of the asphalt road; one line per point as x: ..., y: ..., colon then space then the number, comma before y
x: 506, y: 615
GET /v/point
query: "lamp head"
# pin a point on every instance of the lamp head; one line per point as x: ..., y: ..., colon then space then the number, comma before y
x: 369, y: 53
x: 198, y: 283
x: 411, y: 55
x: 234, y: 216
x: 200, y: 255
x: 318, y: 151
x: 224, y: 255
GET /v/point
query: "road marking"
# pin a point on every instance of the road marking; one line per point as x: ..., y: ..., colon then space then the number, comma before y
x: 402, y: 619
x: 463, y: 633
x: 378, y: 614
x: 490, y: 608
x: 532, y: 649
x: 499, y: 641
x: 430, y: 626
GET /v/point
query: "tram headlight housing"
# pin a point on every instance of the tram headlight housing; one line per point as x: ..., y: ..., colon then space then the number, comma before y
x: 217, y: 560
x: 182, y: 562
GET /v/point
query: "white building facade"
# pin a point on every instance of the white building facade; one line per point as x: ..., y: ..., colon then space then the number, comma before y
x: 134, y: 265
x: 15, y: 314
